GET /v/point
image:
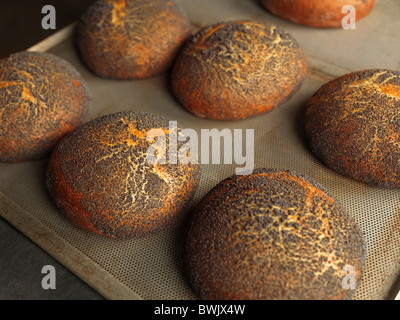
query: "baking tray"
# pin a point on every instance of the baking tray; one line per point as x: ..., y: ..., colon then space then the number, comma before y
x: 152, y: 267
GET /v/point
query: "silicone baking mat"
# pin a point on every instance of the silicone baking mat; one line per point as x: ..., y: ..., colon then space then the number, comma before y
x: 151, y: 267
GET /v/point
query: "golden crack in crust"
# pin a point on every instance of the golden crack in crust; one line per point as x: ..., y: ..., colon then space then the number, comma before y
x: 237, y: 69
x: 274, y: 234
x: 317, y: 13
x: 353, y: 126
x: 42, y: 98
x: 101, y: 179
x: 131, y: 39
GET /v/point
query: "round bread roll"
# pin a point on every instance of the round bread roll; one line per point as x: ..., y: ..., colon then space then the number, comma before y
x: 238, y: 69
x: 131, y: 39
x: 101, y: 177
x: 42, y: 98
x: 317, y: 13
x: 272, y: 235
x: 353, y: 125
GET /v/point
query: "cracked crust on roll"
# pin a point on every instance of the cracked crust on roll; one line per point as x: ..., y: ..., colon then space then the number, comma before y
x: 101, y: 180
x: 317, y: 13
x: 42, y: 98
x: 131, y: 39
x: 353, y: 126
x: 237, y: 69
x: 272, y: 235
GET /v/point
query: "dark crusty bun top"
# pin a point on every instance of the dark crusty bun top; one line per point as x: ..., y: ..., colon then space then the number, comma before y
x: 42, y: 98
x: 353, y: 126
x: 272, y: 235
x: 237, y: 69
x: 100, y: 178
x: 317, y: 13
x: 131, y: 39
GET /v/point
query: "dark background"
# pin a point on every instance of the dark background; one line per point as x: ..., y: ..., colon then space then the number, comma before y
x: 21, y: 21
x: 21, y: 260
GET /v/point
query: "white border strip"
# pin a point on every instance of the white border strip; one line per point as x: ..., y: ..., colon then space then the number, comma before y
x: 54, y: 39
